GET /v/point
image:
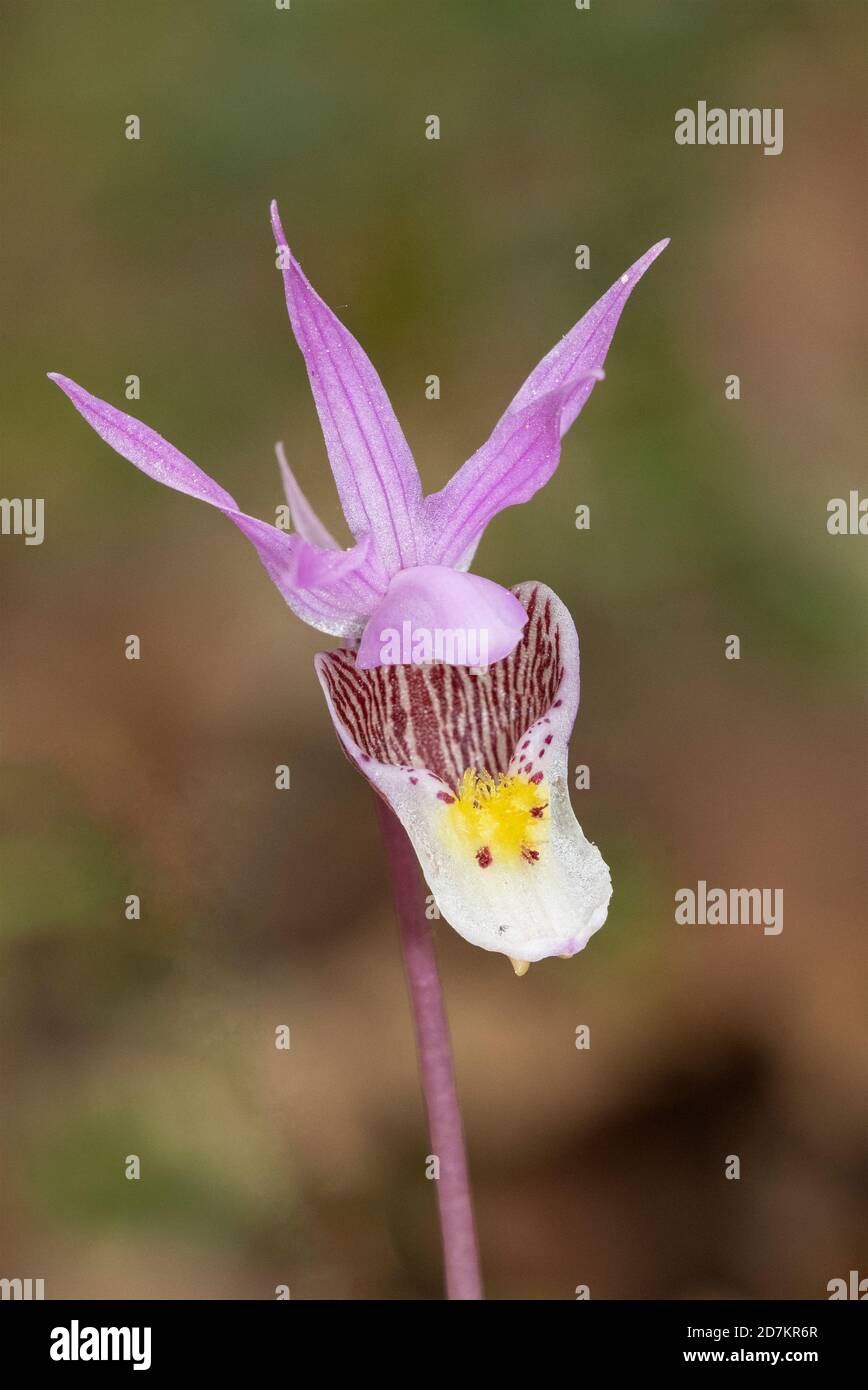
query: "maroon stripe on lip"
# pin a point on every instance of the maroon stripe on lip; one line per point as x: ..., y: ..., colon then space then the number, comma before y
x: 443, y: 719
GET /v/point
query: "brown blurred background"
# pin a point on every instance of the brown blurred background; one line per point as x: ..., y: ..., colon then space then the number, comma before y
x: 708, y: 517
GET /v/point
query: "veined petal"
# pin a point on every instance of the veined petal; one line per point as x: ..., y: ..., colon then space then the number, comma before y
x: 435, y: 613
x: 332, y: 591
x: 142, y: 446
x: 521, y: 455
x: 580, y: 354
x: 305, y: 520
x: 374, y: 471
x: 502, y: 853
x: 523, y: 450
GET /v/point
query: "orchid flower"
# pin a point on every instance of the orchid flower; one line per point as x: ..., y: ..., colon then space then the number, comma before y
x: 473, y: 761
x: 467, y: 752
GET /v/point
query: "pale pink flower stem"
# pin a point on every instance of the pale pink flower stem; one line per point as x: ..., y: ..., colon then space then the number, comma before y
x: 437, y: 1074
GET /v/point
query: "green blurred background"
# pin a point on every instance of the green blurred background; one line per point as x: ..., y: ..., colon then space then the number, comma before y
x: 708, y: 517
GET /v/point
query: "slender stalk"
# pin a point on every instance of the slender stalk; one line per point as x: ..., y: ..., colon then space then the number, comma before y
x: 454, y: 1202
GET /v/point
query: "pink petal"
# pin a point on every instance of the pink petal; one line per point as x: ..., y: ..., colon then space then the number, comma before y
x: 466, y: 560
x: 373, y: 468
x: 414, y: 730
x: 521, y: 455
x: 432, y: 613
x: 581, y: 353
x: 333, y: 591
x: 304, y: 519
x: 523, y: 450
x: 142, y: 446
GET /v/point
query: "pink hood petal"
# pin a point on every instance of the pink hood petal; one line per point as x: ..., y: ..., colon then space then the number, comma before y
x: 374, y: 471
x: 432, y: 613
x: 332, y: 591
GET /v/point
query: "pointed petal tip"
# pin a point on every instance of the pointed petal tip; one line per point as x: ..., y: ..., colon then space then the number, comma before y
x: 283, y: 466
x: 303, y: 517
x: 276, y: 224
x: 70, y: 388
x: 638, y: 268
x: 650, y: 256
x: 521, y: 967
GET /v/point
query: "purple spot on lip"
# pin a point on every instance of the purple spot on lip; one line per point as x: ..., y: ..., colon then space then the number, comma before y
x: 413, y: 781
x: 537, y: 778
x: 549, y: 738
x: 444, y: 796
